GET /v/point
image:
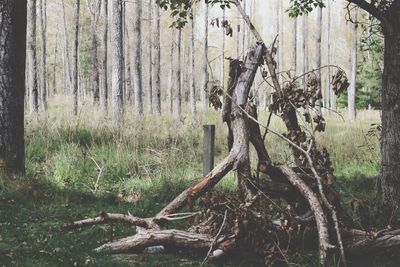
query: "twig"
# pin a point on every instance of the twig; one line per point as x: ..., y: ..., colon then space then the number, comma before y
x: 215, y: 239
x: 96, y: 185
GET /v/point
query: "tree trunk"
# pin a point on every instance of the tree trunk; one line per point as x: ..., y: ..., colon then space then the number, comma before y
x: 178, y: 75
x: 390, y: 136
x: 157, y: 60
x: 293, y: 47
x: 171, y: 82
x: 305, y: 48
x: 67, y: 66
x: 55, y: 65
x: 13, y: 22
x: 104, y: 83
x: 137, y: 58
x: 31, y: 53
x: 223, y: 53
x: 204, y: 92
x: 192, y: 70
x: 117, y: 62
x: 317, y: 64
x: 94, y: 8
x: 150, y: 67
x: 75, y: 59
x: 43, y: 64
x: 351, y: 100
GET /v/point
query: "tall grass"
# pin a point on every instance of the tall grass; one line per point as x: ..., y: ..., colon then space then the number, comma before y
x: 162, y: 155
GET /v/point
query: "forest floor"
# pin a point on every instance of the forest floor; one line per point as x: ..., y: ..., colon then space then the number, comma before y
x: 78, y: 167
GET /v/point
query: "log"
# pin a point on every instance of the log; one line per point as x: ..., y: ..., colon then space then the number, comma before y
x: 169, y: 239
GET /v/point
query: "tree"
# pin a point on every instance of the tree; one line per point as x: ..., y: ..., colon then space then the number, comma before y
x: 117, y: 62
x: 13, y: 22
x: 157, y: 59
x: 178, y: 75
x: 31, y: 54
x: 351, y: 97
x: 137, y: 58
x: 104, y: 62
x: 150, y: 66
x: 388, y: 14
x: 75, y: 59
x: 204, y: 89
x: 191, y: 72
x: 43, y: 65
x: 94, y: 7
x: 66, y: 58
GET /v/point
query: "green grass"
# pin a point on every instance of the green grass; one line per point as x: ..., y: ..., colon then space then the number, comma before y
x: 139, y: 168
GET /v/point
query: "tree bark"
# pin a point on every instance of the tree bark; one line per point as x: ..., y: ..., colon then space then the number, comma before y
x: 94, y: 8
x: 157, y: 59
x: 351, y: 99
x: 104, y: 83
x: 137, y: 58
x: 171, y: 79
x: 204, y: 92
x: 13, y: 22
x: 192, y: 70
x: 390, y: 136
x: 67, y: 62
x: 150, y: 66
x: 317, y: 64
x: 117, y: 62
x: 178, y: 76
x: 31, y: 53
x: 43, y: 63
x: 75, y: 59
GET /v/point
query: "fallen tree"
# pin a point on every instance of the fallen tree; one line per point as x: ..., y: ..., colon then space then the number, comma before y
x: 313, y: 217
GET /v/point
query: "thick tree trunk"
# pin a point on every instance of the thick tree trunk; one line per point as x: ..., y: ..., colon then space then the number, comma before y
x: 31, y: 54
x: 351, y: 99
x: 390, y: 137
x: 43, y: 64
x: 117, y: 62
x: 171, y: 79
x: 104, y: 83
x: 75, y: 59
x: 137, y: 58
x: 157, y: 60
x: 13, y: 21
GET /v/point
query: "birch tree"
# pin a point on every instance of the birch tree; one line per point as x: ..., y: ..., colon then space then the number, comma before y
x: 137, y: 56
x: 31, y: 56
x: 157, y: 59
x: 75, y: 71
x: 104, y: 83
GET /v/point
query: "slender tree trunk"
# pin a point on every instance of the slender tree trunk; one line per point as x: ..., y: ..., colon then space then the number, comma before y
x: 293, y: 46
x: 13, y: 22
x: 305, y: 47
x: 178, y: 75
x: 317, y: 64
x: 150, y: 67
x: 137, y: 58
x: 55, y: 65
x: 192, y: 74
x: 281, y: 39
x: 94, y: 8
x: 204, y: 92
x: 223, y: 53
x: 43, y: 63
x: 172, y: 81
x: 157, y: 60
x: 117, y: 62
x: 104, y: 84
x: 351, y: 100
x: 75, y: 59
x: 67, y: 65
x: 32, y: 64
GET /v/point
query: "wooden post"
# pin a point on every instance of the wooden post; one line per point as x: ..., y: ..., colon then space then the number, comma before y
x: 208, y: 148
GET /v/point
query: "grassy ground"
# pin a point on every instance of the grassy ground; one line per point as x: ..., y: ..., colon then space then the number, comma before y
x: 80, y: 167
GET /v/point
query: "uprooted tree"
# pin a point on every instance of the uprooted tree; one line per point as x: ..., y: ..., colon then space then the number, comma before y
x: 312, y: 219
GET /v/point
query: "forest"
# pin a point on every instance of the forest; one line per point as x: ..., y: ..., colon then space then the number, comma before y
x: 199, y: 132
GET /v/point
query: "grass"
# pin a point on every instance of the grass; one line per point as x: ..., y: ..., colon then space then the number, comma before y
x: 139, y: 168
